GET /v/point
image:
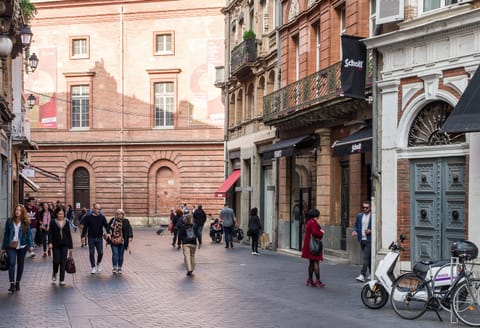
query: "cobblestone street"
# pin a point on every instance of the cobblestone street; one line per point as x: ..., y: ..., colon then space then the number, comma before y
x: 230, y: 288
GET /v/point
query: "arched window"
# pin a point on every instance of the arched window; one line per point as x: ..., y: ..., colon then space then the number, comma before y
x: 81, y: 188
x: 425, y: 129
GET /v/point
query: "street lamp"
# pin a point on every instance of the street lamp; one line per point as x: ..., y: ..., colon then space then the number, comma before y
x: 31, y: 100
x: 6, y: 46
x: 30, y: 61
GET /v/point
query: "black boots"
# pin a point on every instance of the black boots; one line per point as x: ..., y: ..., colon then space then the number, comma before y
x: 17, y: 286
x: 12, y: 288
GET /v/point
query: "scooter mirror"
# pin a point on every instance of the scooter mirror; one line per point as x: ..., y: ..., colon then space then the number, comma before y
x: 402, y: 237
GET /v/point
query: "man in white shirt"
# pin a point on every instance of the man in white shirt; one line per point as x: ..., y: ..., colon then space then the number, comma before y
x: 363, y: 231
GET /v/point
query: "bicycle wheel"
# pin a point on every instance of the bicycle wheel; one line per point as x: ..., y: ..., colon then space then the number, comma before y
x: 410, y: 296
x: 466, y: 298
x: 374, y: 298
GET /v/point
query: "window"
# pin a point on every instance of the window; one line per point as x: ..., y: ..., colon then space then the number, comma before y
x: 79, y: 47
x: 164, y: 43
x: 436, y: 4
x: 80, y: 106
x: 164, y: 104
x: 317, y: 46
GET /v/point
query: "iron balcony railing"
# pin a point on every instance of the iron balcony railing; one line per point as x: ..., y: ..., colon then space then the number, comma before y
x: 245, y: 52
x: 316, y: 88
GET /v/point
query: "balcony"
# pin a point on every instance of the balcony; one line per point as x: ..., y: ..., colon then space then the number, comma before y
x: 243, y: 58
x: 317, y: 97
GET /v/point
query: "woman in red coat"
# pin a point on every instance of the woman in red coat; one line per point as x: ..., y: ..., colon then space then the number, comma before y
x: 313, y: 228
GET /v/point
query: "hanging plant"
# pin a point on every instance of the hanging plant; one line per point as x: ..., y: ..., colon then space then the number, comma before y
x: 28, y: 10
x: 249, y: 35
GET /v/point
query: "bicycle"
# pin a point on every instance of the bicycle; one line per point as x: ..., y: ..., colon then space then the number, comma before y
x: 414, y: 293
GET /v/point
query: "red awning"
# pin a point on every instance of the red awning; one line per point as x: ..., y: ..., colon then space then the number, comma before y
x: 227, y: 184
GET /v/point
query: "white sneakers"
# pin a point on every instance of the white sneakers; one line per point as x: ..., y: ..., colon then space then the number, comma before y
x: 99, y: 267
x: 119, y: 271
x: 94, y: 270
x: 62, y: 283
x: 362, y: 278
x: 115, y: 270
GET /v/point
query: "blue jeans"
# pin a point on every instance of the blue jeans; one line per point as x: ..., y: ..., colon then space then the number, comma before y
x: 117, y: 255
x: 16, y: 256
x: 228, y: 236
x: 98, y: 244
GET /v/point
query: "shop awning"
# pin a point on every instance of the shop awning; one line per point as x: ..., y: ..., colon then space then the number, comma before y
x: 287, y: 147
x: 465, y: 117
x: 227, y: 184
x: 41, y: 171
x: 359, y: 142
x: 32, y: 185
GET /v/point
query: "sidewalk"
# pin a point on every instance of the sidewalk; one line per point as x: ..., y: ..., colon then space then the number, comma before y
x: 230, y: 288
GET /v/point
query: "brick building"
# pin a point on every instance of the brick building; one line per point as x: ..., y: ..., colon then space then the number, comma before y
x: 289, y: 123
x: 127, y: 114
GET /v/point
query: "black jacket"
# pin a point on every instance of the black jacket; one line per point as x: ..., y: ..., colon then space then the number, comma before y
x: 126, y: 230
x: 94, y: 224
x: 182, y: 235
x: 58, y: 239
x: 199, y: 217
x: 254, y: 225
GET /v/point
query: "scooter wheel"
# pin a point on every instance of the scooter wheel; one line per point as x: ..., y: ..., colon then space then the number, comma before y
x: 374, y: 298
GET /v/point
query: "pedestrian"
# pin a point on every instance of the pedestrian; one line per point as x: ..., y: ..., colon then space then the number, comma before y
x: 45, y: 216
x: 199, y: 218
x: 70, y: 217
x: 254, y: 230
x: 120, y: 238
x: 32, y: 211
x: 176, y: 224
x: 187, y: 237
x: 60, y: 243
x: 363, y: 231
x: 17, y: 238
x: 229, y: 222
x: 94, y: 224
x: 314, y: 229
x: 185, y: 208
x: 83, y: 214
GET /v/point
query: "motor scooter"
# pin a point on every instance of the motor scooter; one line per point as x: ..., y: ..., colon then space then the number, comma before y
x: 375, y: 293
x: 216, y: 230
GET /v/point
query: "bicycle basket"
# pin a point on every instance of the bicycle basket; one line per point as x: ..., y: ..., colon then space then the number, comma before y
x: 464, y: 249
x: 420, y: 269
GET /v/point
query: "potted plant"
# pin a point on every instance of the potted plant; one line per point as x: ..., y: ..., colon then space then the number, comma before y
x: 249, y: 35
x: 28, y: 9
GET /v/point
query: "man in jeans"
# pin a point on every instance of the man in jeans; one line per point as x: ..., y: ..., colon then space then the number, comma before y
x: 93, y: 224
x: 363, y: 231
x: 199, y: 218
x: 229, y: 222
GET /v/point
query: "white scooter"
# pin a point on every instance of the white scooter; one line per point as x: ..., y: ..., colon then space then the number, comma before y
x: 375, y: 292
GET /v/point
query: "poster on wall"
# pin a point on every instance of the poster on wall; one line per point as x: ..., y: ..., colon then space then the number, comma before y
x: 354, y: 54
x: 42, y: 84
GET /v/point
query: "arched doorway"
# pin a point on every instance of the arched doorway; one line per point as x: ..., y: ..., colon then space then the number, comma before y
x: 437, y: 186
x: 81, y: 189
x: 167, y: 191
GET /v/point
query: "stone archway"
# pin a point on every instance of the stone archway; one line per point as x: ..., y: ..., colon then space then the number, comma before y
x: 164, y: 188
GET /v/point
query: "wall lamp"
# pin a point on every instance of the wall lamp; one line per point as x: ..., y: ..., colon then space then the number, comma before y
x: 6, y: 46
x: 30, y: 61
x: 31, y: 100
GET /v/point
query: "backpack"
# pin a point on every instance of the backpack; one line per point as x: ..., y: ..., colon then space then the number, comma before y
x: 117, y: 233
x: 190, y: 234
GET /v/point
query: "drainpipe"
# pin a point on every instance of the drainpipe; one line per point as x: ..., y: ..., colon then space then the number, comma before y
x: 122, y: 105
x: 276, y: 221
x: 227, y: 96
x: 9, y: 171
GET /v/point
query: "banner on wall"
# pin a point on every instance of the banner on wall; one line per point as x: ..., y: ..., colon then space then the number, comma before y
x: 354, y: 54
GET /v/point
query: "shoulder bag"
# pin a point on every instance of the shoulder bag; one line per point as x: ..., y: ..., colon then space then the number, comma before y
x: 4, y: 264
x: 316, y: 246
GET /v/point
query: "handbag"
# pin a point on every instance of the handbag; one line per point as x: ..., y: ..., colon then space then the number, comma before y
x: 4, y: 264
x: 170, y: 227
x: 70, y: 267
x: 316, y: 246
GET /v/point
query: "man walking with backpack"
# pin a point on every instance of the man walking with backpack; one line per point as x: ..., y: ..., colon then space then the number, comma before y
x: 187, y: 237
x: 199, y: 218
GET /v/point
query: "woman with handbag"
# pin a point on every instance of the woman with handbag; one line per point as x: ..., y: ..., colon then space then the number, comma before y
x: 17, y: 239
x: 120, y: 238
x: 313, y: 230
x: 60, y: 243
x: 254, y: 229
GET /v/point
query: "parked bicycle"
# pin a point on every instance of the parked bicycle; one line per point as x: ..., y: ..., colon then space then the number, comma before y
x: 416, y: 292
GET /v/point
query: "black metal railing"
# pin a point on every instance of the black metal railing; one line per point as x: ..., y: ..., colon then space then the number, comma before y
x: 316, y: 88
x: 245, y: 52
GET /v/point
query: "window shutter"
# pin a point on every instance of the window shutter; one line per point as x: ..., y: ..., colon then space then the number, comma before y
x: 389, y: 11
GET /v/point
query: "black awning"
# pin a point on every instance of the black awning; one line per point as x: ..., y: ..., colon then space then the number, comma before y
x: 465, y: 117
x: 359, y: 142
x: 287, y: 147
